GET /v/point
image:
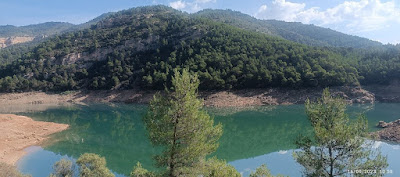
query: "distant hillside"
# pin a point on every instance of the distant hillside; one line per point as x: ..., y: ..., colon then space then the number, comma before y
x: 140, y: 48
x: 91, y: 22
x: 11, y: 35
x: 43, y: 29
x: 293, y: 31
x: 15, y: 41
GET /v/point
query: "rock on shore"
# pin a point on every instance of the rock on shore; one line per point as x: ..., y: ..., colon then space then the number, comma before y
x: 390, y: 131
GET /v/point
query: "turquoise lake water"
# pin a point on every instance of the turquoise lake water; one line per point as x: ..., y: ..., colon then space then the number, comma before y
x: 252, y: 136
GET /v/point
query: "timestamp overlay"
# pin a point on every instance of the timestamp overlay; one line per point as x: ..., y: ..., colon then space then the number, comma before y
x: 370, y: 172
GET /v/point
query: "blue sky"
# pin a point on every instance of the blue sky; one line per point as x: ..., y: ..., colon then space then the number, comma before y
x: 374, y: 19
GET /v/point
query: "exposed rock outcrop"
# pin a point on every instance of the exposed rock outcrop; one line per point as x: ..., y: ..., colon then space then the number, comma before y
x: 354, y: 94
x: 8, y: 41
x: 390, y: 131
x: 87, y: 58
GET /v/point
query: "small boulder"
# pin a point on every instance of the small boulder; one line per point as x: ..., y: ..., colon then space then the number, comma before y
x: 382, y: 124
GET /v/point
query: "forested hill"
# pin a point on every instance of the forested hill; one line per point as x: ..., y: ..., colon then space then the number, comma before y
x: 293, y: 31
x: 140, y: 47
x: 43, y: 29
x: 15, y: 41
x: 48, y: 28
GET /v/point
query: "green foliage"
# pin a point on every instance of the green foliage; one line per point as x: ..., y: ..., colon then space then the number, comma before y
x: 261, y: 171
x: 140, y: 47
x: 139, y: 171
x: 293, y: 31
x: 63, y: 168
x: 379, y: 66
x: 49, y: 28
x: 10, y: 171
x: 15, y: 52
x: 338, y: 145
x: 219, y: 168
x: 177, y: 122
x: 92, y: 165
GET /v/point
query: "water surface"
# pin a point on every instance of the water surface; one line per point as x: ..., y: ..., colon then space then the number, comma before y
x: 251, y: 137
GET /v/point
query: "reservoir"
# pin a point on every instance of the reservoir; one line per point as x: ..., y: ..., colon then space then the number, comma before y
x: 252, y: 136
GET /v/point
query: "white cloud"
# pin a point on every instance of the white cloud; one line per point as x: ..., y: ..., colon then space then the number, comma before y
x: 354, y: 16
x: 204, y: 1
x: 192, y: 6
x: 178, y: 4
x: 262, y: 9
x: 365, y: 15
x: 281, y: 10
x: 195, y: 7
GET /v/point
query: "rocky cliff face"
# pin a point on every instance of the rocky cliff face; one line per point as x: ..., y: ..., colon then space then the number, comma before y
x: 8, y: 41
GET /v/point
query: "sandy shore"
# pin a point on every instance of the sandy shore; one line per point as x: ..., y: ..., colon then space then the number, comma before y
x: 20, y: 132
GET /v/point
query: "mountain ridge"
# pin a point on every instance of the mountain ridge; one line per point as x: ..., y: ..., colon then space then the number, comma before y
x: 287, y: 30
x: 293, y: 31
x: 47, y: 28
x: 140, y: 47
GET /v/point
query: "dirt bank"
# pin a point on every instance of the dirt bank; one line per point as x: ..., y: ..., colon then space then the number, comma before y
x: 275, y: 96
x: 20, y: 132
x: 235, y: 98
x: 387, y: 94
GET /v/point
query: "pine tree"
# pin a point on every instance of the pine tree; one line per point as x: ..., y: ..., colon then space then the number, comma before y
x: 63, y: 168
x: 339, y: 146
x: 177, y: 122
x: 219, y: 168
x: 139, y: 171
x: 261, y: 171
x: 92, y: 165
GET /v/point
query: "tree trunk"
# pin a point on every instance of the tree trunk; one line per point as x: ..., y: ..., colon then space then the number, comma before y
x: 331, y: 162
x: 172, y: 163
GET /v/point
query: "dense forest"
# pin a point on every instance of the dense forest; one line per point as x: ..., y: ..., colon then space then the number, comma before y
x: 16, y: 51
x: 293, y: 31
x: 140, y: 47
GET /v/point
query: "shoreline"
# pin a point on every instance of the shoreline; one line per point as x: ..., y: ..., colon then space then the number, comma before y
x: 232, y: 98
x: 19, y: 132
x: 15, y: 137
x: 390, y: 131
